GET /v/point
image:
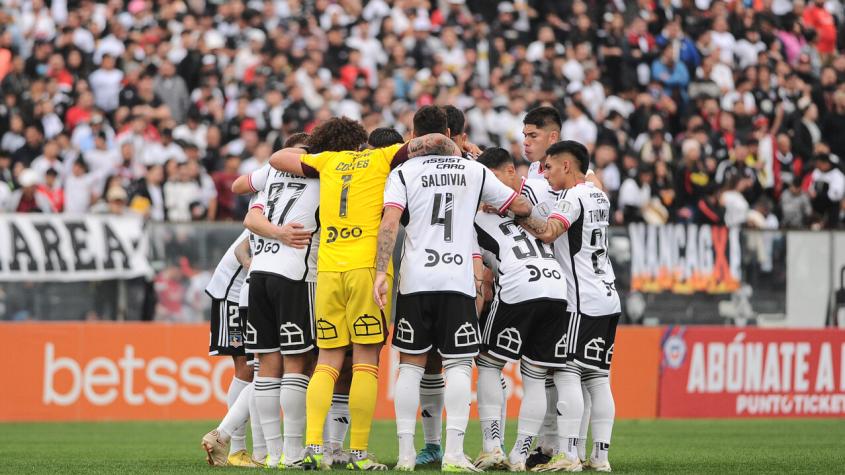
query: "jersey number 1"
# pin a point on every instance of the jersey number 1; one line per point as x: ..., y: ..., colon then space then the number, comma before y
x: 443, y: 200
x: 344, y: 195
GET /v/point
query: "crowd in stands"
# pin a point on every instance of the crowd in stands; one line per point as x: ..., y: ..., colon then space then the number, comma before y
x: 723, y: 112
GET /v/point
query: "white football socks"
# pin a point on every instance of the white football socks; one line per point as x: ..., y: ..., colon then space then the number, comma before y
x: 458, y: 397
x: 490, y: 401
x: 503, y: 419
x: 585, y: 423
x: 259, y: 447
x: 292, y: 401
x: 406, y: 402
x: 547, y: 442
x: 431, y: 407
x: 337, y: 422
x: 570, y: 406
x: 267, y: 391
x: 239, y: 434
x: 601, y: 418
x: 531, y: 411
x: 236, y: 416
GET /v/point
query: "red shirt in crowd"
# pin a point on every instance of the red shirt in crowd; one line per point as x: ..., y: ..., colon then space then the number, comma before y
x: 822, y: 21
x: 225, y: 198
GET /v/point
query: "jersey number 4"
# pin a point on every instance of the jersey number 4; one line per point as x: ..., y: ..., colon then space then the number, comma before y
x: 444, y: 201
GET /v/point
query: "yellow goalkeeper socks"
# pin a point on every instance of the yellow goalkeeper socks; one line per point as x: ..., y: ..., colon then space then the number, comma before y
x: 318, y: 401
x: 362, y: 404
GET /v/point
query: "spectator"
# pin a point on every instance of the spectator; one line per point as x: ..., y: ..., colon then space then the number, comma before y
x: 105, y: 84
x: 634, y: 195
x: 181, y: 195
x: 147, y: 195
x: 28, y: 198
x: 795, y: 205
x: 223, y: 180
x: 827, y: 189
x: 172, y: 91
x: 79, y: 189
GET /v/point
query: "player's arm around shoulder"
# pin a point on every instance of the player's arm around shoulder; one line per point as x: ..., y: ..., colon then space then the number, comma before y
x: 289, y: 160
x: 547, y: 231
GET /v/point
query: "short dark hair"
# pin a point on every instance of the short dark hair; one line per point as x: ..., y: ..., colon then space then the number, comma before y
x: 430, y: 120
x: 543, y: 116
x: 576, y: 149
x: 384, y: 137
x: 495, y: 157
x: 455, y: 118
x: 299, y: 138
x: 337, y: 134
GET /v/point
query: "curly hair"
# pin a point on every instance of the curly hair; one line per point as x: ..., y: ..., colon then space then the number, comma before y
x: 337, y: 134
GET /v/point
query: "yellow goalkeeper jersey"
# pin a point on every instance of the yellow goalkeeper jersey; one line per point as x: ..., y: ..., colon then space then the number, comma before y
x: 351, y: 201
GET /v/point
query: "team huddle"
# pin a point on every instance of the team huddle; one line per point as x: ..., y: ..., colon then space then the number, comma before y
x: 494, y: 268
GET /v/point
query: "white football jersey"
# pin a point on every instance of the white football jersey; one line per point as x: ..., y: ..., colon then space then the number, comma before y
x: 534, y: 172
x: 441, y: 196
x: 286, y: 199
x: 257, y: 180
x: 228, y: 277
x: 582, y: 250
x: 525, y: 267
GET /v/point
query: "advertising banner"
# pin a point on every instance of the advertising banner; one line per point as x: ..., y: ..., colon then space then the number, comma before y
x: 749, y: 372
x: 685, y: 258
x: 154, y: 371
x: 59, y: 248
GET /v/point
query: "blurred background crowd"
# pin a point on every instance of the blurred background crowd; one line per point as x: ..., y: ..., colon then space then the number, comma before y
x: 728, y: 112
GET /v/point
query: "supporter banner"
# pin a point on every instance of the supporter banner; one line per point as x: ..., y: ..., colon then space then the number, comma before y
x: 735, y: 372
x: 150, y: 371
x: 37, y: 247
x: 685, y: 258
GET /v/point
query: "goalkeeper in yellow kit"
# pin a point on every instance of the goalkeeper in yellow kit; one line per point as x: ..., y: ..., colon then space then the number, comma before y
x: 351, y: 201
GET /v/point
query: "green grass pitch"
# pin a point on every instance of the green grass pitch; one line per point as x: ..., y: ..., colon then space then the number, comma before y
x: 654, y: 446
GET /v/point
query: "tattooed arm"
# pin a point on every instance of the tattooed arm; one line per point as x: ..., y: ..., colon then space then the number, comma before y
x: 546, y: 231
x: 386, y: 242
x: 433, y: 144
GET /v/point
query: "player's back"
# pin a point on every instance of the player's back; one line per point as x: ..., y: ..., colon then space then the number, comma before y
x: 285, y: 199
x: 351, y: 200
x: 583, y: 249
x: 442, y: 195
x: 525, y: 267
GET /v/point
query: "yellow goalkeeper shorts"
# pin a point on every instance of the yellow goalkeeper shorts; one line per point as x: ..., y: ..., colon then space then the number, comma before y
x: 346, y: 311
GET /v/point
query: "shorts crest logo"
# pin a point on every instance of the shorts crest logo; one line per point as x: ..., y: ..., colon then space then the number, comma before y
x: 326, y: 330
x: 235, y: 339
x: 510, y: 340
x: 251, y: 334
x: 290, y: 334
x: 560, y: 347
x: 466, y: 335
x: 404, y: 331
x: 366, y: 325
x: 593, y: 349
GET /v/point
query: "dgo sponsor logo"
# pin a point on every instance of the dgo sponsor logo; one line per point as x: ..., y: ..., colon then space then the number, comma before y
x: 129, y: 379
x: 729, y: 372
